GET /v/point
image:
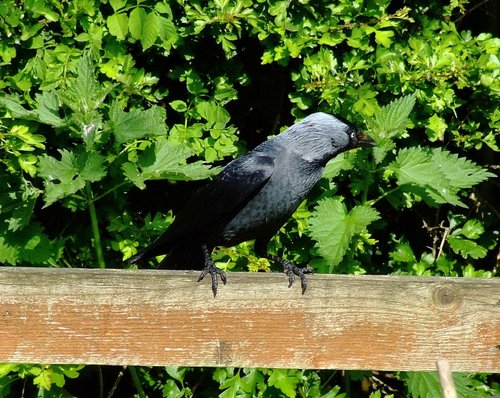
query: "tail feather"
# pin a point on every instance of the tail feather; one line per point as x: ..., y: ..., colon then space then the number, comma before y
x: 183, y: 256
x: 138, y: 258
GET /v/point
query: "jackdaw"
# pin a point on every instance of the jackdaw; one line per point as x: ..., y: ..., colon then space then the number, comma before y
x: 253, y: 196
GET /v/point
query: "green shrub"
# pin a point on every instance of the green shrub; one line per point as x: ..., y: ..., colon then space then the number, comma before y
x: 101, y: 99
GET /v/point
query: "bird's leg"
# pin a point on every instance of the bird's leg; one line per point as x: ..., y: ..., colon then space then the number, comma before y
x: 211, y: 269
x: 290, y: 269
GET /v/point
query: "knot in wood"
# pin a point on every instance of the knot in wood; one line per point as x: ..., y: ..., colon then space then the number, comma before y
x: 447, y: 296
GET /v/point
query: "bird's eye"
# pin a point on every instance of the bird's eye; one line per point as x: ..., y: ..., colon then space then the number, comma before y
x: 352, y: 135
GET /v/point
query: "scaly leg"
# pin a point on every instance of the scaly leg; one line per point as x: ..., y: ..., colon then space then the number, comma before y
x: 211, y: 269
x: 290, y: 269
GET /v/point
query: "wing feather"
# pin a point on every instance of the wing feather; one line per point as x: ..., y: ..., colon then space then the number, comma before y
x: 214, y: 205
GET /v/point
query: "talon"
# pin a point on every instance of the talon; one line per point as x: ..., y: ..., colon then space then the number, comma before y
x: 214, y: 272
x: 291, y: 270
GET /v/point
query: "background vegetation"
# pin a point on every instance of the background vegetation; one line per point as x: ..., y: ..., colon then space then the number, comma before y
x: 109, y: 108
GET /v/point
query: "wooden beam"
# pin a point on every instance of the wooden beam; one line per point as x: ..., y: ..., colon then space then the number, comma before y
x: 153, y: 318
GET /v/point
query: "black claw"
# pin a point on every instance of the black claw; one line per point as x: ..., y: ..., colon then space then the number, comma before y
x: 213, y: 271
x: 291, y: 270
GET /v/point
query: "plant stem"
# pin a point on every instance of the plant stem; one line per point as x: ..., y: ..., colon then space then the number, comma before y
x: 121, y: 184
x: 95, y: 226
x: 373, y: 201
x: 136, y: 381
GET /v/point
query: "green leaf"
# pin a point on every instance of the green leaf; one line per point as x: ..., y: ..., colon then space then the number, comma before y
x: 44, y: 379
x: 84, y: 93
x: 136, y: 22
x: 176, y: 372
x: 150, y: 31
x: 337, y: 164
x: 84, y: 96
x: 118, y: 25
x: 460, y: 173
x: 403, y: 254
x: 178, y: 105
x: 414, y: 166
x: 472, y: 229
x: 48, y: 109
x: 136, y: 124
x: 436, y: 127
x: 437, y: 174
x: 8, y: 253
x: 285, y: 380
x: 384, y: 37
x: 15, y: 108
x: 391, y: 120
x: 33, y: 244
x: 333, y: 227
x: 466, y: 248
x: 66, y: 176
x: 117, y: 4
x: 215, y: 115
x: 144, y: 26
x: 423, y: 384
x: 165, y: 160
x: 427, y: 385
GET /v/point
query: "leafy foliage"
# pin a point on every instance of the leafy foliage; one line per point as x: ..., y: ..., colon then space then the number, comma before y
x: 333, y: 227
x: 103, y: 99
x: 437, y: 174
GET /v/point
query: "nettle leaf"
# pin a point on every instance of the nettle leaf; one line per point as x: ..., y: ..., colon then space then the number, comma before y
x: 333, y: 226
x: 388, y: 122
x: 460, y: 172
x: 435, y: 174
x: 427, y: 385
x: 137, y: 123
x: 84, y: 94
x: 46, y: 112
x: 66, y: 176
x: 391, y: 120
x: 16, y: 110
x: 165, y: 161
x: 48, y: 109
x: 423, y: 384
x: 8, y: 254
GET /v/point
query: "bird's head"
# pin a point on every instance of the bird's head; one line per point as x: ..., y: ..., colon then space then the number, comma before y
x: 320, y: 137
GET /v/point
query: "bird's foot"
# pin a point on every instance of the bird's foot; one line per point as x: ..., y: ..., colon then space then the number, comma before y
x: 291, y: 270
x: 214, y: 271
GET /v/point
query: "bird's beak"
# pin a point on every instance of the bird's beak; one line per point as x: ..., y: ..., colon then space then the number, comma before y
x: 364, y: 140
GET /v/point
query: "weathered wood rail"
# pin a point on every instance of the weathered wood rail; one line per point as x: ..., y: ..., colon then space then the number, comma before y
x: 166, y: 318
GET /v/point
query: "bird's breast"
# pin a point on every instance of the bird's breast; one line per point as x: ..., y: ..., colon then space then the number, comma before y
x: 271, y: 207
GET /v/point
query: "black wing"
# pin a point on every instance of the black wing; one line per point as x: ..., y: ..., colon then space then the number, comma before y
x: 214, y: 205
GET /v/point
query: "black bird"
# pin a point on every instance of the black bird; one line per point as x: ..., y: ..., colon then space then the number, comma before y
x: 253, y: 196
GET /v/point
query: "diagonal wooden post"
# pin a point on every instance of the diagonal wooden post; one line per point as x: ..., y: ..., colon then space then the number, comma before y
x: 165, y: 318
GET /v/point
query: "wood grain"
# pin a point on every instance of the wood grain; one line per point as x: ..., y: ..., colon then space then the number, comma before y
x: 154, y: 318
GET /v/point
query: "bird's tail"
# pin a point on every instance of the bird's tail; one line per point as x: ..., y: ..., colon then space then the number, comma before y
x: 182, y: 256
x: 138, y: 258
